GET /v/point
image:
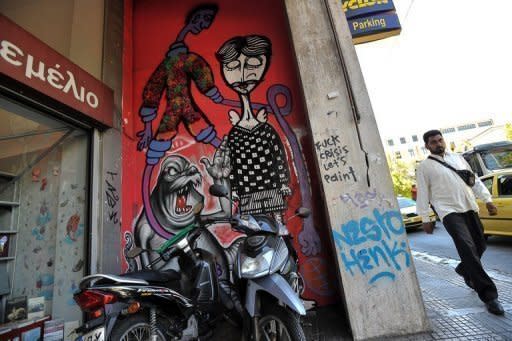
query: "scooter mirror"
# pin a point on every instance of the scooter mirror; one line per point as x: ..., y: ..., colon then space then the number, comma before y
x: 134, y: 252
x: 220, y: 191
x: 303, y: 212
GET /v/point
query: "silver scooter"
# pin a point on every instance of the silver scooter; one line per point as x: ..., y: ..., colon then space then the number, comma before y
x: 266, y: 273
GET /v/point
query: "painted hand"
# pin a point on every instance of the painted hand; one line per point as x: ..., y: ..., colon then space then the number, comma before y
x: 234, y: 117
x: 310, y: 242
x: 220, y: 168
x: 491, y: 208
x: 285, y: 191
x: 234, y: 196
x: 262, y: 115
x: 145, y: 136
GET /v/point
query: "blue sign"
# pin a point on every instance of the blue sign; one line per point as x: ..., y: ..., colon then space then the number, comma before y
x: 360, y: 8
x: 371, y: 19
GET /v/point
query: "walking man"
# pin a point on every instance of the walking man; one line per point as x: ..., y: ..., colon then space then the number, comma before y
x: 454, y: 201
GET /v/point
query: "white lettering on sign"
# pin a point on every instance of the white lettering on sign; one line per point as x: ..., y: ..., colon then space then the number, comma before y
x: 8, y: 50
x: 51, y: 75
x: 29, y: 70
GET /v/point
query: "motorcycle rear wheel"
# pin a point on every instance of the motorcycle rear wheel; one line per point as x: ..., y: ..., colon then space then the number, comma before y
x: 135, y: 328
x: 277, y: 322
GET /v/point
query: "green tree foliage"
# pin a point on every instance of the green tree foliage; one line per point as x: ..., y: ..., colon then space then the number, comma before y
x: 508, y: 131
x: 402, y: 174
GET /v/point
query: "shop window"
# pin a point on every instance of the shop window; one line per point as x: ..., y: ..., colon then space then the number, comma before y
x: 411, y: 153
x: 466, y: 127
x: 485, y: 123
x: 448, y: 130
x: 398, y: 155
x: 43, y: 208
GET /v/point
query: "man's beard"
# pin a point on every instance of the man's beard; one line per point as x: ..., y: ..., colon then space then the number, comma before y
x: 438, y: 151
x: 244, y: 86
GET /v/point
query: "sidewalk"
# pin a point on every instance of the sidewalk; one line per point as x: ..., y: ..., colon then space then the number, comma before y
x: 454, y: 310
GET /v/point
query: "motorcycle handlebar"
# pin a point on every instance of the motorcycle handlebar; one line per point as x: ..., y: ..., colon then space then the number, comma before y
x: 212, y: 220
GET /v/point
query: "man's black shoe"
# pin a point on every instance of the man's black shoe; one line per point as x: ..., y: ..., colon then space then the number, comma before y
x: 494, y: 307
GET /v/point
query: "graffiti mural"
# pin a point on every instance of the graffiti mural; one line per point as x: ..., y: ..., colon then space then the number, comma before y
x: 195, y: 130
x: 177, y: 192
x: 260, y: 175
x: 174, y: 76
x: 370, y: 247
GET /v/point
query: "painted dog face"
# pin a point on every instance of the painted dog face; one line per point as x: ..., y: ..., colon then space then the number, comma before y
x: 178, y: 193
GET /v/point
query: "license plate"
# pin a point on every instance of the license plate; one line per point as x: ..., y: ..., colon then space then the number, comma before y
x: 97, y: 334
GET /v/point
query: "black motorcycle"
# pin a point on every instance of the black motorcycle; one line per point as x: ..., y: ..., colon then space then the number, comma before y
x: 170, y: 305
x: 159, y: 304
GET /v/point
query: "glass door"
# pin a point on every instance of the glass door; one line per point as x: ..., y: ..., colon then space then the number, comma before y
x: 44, y: 166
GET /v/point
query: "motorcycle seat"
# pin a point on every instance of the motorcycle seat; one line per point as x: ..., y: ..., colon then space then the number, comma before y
x: 154, y: 276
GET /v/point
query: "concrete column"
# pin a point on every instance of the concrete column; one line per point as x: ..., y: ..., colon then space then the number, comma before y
x: 107, y: 145
x: 376, y: 269
x: 111, y: 141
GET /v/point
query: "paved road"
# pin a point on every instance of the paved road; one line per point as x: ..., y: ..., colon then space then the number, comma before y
x: 497, y: 256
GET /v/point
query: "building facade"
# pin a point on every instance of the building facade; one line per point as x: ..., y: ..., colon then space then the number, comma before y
x: 266, y: 97
x: 459, y: 137
x: 60, y: 112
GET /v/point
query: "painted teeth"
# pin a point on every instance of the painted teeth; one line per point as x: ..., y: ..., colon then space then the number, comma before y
x: 181, y: 210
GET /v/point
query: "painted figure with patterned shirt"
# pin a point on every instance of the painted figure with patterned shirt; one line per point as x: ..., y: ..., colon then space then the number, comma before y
x: 175, y: 75
x: 260, y: 174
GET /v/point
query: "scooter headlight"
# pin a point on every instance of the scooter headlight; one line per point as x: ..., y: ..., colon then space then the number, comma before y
x: 256, y: 267
x: 280, y: 256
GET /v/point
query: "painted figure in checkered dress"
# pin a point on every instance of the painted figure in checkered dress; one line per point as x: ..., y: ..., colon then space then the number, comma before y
x: 260, y: 175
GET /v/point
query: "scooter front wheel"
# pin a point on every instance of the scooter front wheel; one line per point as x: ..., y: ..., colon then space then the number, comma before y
x: 279, y: 323
x: 136, y: 328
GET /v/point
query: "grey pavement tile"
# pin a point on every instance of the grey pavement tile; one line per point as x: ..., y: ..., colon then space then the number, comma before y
x: 444, y: 292
x: 454, y: 311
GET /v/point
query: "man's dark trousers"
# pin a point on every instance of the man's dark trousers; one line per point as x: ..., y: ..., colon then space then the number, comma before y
x: 466, y: 231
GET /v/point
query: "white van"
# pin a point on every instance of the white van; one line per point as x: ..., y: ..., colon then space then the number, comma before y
x: 490, y: 157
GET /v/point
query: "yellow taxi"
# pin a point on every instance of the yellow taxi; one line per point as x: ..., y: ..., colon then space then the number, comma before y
x: 499, y: 185
x: 409, y: 215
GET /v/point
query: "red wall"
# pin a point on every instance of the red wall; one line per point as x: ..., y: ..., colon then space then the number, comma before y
x: 151, y: 26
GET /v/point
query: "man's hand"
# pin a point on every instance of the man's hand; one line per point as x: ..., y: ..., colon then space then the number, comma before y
x: 491, y: 208
x: 428, y: 227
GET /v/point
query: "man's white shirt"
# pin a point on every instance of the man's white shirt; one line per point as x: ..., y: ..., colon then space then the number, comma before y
x: 445, y: 189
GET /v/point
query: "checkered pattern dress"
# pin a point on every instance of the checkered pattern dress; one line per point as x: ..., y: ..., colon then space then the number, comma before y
x: 259, y: 168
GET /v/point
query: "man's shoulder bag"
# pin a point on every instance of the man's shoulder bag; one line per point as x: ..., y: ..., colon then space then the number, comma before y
x: 466, y: 175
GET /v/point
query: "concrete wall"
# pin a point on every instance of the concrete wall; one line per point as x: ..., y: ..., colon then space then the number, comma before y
x: 380, y: 287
